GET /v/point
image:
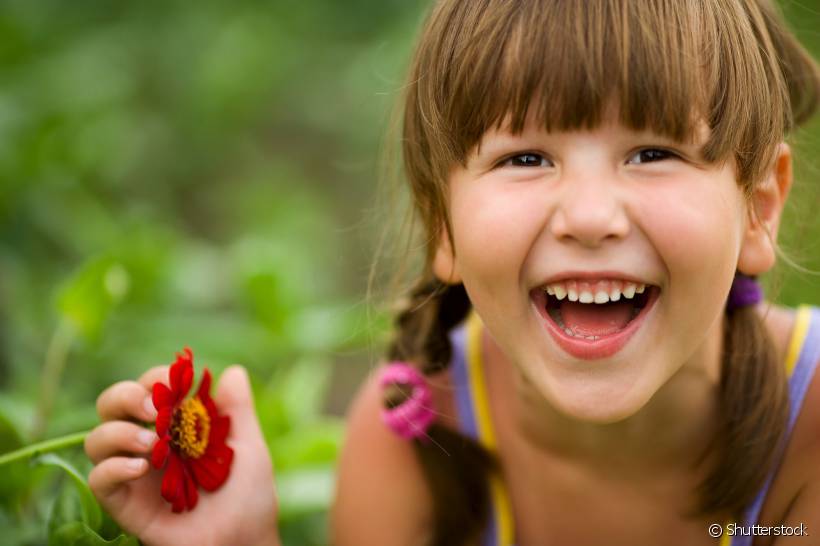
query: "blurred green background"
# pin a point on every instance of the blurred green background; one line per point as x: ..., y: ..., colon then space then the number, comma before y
x: 205, y: 173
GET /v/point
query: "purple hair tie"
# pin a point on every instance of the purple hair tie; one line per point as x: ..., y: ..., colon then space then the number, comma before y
x: 745, y: 291
x: 413, y: 417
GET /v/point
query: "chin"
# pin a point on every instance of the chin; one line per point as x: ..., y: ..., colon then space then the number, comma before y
x: 600, y: 401
x: 597, y: 413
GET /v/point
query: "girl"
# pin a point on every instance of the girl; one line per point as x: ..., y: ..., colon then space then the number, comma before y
x: 599, y: 182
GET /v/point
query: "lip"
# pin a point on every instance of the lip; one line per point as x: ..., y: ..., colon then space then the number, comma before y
x: 586, y: 349
x: 592, y: 276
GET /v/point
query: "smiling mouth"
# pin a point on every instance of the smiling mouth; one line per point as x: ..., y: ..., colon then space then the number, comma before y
x: 592, y: 321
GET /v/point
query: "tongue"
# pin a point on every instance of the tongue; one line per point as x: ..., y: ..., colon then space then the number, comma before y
x: 595, y: 320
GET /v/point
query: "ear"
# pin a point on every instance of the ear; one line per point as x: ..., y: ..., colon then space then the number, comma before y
x: 757, y: 252
x: 445, y: 267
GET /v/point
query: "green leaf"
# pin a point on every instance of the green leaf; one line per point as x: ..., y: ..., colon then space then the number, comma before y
x: 65, y: 512
x: 10, y: 438
x: 88, y: 297
x: 14, y: 480
x: 91, y: 513
x: 77, y: 533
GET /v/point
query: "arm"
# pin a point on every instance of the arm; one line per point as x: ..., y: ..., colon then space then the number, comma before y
x: 381, y: 493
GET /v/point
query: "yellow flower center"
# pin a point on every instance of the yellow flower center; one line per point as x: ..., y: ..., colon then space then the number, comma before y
x: 190, y: 428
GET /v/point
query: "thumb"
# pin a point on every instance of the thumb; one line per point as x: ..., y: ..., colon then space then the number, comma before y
x: 235, y: 398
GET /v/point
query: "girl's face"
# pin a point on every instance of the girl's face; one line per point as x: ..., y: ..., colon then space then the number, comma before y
x: 570, y: 209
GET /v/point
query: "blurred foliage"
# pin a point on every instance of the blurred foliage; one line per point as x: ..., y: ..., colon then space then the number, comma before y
x: 175, y: 173
x: 796, y: 276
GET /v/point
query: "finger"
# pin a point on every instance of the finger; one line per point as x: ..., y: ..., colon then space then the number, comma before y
x: 126, y: 400
x: 157, y: 374
x: 107, y: 478
x: 117, y: 437
x: 235, y: 398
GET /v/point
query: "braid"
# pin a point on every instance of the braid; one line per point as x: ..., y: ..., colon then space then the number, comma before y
x: 754, y: 409
x: 423, y: 326
x: 456, y: 467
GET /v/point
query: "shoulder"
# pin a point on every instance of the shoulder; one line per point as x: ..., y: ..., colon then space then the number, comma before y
x: 381, y: 492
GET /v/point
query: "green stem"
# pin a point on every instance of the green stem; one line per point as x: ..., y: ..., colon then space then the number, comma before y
x: 44, y: 447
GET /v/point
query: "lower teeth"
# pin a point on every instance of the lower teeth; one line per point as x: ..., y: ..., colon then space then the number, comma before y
x: 571, y: 333
x: 556, y: 316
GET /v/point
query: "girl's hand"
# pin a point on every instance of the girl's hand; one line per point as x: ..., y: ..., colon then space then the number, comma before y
x: 242, y: 511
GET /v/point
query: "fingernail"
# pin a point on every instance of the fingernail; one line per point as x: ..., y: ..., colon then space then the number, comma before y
x: 148, y: 404
x: 135, y: 465
x: 146, y: 437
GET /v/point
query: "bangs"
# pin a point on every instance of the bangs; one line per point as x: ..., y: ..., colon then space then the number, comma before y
x: 571, y: 60
x: 668, y: 66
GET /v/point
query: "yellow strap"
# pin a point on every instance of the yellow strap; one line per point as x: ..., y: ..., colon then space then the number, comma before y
x: 486, y: 433
x: 799, y: 331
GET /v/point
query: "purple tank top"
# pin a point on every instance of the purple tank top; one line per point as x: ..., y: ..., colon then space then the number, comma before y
x: 799, y: 380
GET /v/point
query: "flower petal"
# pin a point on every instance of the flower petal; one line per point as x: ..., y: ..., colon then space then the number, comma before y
x: 182, y: 374
x: 179, y: 503
x: 210, y: 407
x: 204, y: 391
x: 172, y: 483
x: 164, y: 416
x: 191, y: 494
x: 220, y: 425
x: 212, y: 469
x: 204, y: 395
x: 160, y: 452
x: 162, y: 396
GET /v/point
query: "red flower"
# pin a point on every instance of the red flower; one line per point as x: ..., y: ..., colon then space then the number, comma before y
x: 191, y: 436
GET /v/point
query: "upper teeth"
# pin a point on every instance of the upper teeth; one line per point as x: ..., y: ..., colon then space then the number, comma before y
x: 598, y: 292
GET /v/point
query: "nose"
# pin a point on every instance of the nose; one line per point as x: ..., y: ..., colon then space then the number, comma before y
x: 590, y: 211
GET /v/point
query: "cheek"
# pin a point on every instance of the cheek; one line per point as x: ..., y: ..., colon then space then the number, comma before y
x: 494, y: 226
x: 697, y: 225
x: 698, y: 239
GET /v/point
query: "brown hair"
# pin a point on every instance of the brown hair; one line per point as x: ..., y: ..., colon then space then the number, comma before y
x: 480, y: 63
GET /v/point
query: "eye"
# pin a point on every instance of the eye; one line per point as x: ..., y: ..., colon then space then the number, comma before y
x: 650, y: 155
x: 527, y: 159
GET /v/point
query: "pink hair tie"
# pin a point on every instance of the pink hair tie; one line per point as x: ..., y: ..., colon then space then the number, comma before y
x: 413, y: 417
